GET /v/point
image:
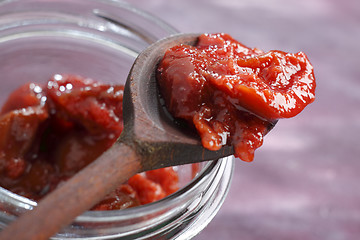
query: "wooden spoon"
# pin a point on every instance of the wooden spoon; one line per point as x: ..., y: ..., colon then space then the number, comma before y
x: 150, y: 140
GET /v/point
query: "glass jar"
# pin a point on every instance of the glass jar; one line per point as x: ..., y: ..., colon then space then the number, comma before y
x: 100, y: 39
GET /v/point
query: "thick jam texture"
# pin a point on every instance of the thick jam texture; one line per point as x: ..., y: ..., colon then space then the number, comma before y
x: 50, y: 132
x: 229, y: 93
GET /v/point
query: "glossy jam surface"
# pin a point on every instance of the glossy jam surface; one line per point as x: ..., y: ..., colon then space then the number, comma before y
x: 230, y: 92
x: 49, y: 132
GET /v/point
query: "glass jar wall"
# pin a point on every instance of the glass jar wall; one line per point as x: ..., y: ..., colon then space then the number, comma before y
x: 100, y: 39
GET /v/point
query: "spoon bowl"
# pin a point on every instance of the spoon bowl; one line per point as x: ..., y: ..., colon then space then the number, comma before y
x: 162, y: 141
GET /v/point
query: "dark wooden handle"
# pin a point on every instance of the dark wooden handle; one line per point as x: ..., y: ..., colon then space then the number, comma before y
x: 77, y: 195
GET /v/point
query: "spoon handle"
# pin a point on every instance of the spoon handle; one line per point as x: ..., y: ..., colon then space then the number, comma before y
x: 77, y: 195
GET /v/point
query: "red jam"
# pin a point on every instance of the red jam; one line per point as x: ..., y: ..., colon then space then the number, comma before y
x: 230, y: 92
x: 49, y: 132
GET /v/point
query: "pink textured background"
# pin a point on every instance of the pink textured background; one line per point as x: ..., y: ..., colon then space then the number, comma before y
x: 304, y: 182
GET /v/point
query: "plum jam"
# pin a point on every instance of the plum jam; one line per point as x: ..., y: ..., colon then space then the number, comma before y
x: 49, y: 132
x: 229, y: 93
